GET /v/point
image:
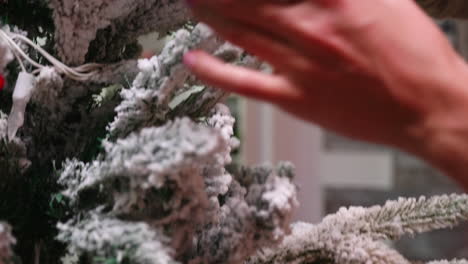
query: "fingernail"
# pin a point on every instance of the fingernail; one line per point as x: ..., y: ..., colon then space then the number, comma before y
x: 190, y: 59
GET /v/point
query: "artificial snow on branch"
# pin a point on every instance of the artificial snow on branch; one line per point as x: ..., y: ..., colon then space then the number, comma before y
x: 6, y: 243
x: 147, y: 101
x: 13, y: 154
x: 455, y: 261
x: 162, y: 183
x: 147, y: 167
x: 344, y: 236
x: 111, y: 24
x: 5, y: 55
x: 100, y: 239
x: 129, y: 161
x: 256, y: 212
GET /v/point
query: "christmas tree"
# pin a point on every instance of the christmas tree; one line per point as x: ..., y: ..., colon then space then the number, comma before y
x: 107, y: 158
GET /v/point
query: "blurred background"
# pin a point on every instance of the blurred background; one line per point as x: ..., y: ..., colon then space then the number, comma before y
x: 333, y: 171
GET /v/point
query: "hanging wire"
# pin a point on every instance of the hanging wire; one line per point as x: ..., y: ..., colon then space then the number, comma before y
x: 80, y: 73
x: 17, y: 49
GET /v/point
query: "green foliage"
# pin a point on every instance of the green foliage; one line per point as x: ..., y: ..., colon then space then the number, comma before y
x: 123, y: 257
x: 186, y: 95
x: 58, y: 207
x: 107, y: 94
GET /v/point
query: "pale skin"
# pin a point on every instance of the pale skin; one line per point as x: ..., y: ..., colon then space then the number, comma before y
x: 375, y: 70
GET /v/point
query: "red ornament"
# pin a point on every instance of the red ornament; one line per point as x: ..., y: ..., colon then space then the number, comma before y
x: 2, y: 82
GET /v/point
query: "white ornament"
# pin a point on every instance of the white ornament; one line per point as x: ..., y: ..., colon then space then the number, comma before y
x: 21, y: 96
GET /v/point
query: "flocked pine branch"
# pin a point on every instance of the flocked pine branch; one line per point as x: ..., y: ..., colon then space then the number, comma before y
x: 336, y: 233
x: 6, y: 243
x: 147, y: 101
x: 255, y: 213
x: 100, y: 239
x: 152, y: 181
x: 5, y: 56
x: 455, y: 261
x: 111, y: 25
x: 413, y: 216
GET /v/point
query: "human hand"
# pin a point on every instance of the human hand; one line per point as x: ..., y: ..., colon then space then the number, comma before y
x: 375, y: 70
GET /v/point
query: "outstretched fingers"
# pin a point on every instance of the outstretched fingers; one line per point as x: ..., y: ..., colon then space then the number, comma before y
x: 239, y: 80
x: 260, y: 43
x: 308, y: 25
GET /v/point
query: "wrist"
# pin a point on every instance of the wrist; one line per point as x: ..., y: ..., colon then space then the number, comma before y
x: 441, y: 138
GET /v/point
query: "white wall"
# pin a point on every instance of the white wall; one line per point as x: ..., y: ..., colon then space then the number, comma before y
x: 357, y: 169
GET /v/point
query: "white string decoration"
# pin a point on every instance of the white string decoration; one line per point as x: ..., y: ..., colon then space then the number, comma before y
x: 26, y: 81
x: 21, y: 96
x: 81, y: 73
